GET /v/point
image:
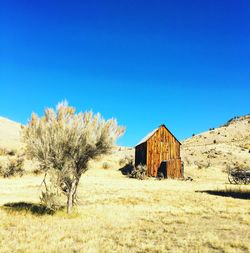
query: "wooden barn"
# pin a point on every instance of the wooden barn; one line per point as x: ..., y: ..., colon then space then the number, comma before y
x: 160, y: 152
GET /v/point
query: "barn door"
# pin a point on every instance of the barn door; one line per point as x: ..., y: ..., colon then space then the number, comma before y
x: 162, y: 170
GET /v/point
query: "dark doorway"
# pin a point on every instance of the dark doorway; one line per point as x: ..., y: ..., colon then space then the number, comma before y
x: 163, y: 169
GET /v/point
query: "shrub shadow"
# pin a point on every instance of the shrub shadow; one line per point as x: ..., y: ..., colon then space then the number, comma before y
x: 228, y: 193
x: 126, y: 169
x: 37, y: 209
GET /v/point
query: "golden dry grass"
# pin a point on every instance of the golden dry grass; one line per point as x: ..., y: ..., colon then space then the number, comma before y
x: 118, y: 214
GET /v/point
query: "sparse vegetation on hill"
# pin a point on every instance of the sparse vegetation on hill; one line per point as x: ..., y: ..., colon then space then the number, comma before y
x: 235, y: 119
x: 219, y: 148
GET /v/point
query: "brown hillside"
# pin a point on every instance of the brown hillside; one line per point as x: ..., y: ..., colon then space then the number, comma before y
x: 220, y: 148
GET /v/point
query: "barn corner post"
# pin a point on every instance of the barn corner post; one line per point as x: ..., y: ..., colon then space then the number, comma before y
x: 160, y: 152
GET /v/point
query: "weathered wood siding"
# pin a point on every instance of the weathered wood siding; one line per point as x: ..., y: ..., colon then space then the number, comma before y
x: 173, y: 168
x: 163, y: 146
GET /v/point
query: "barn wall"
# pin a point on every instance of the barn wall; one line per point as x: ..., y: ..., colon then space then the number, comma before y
x: 173, y: 168
x: 141, y: 154
x: 162, y: 146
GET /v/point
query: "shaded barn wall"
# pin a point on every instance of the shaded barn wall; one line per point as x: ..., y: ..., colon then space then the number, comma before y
x: 141, y: 154
x: 163, y: 146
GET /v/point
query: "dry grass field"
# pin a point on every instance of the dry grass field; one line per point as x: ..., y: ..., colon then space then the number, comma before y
x: 120, y: 214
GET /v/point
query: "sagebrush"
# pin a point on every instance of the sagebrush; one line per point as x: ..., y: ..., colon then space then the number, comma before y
x: 64, y: 141
x: 139, y: 172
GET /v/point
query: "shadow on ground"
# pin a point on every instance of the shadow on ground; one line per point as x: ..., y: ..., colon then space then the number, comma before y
x: 37, y: 209
x: 126, y: 169
x: 229, y: 193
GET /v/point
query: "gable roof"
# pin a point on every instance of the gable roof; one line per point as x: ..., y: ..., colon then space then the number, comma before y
x: 147, y: 137
x: 152, y: 133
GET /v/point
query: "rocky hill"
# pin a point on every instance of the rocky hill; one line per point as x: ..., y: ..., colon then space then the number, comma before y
x: 222, y: 147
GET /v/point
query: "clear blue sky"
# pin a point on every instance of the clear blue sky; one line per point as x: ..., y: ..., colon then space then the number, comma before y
x: 182, y: 63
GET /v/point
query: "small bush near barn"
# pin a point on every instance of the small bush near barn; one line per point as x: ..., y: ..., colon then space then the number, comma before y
x: 106, y: 165
x: 139, y: 172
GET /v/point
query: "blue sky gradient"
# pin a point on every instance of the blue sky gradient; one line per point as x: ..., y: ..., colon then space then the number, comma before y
x: 182, y: 63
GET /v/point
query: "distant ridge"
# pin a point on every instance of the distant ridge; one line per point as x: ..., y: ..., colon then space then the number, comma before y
x: 9, y: 134
x: 236, y: 118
